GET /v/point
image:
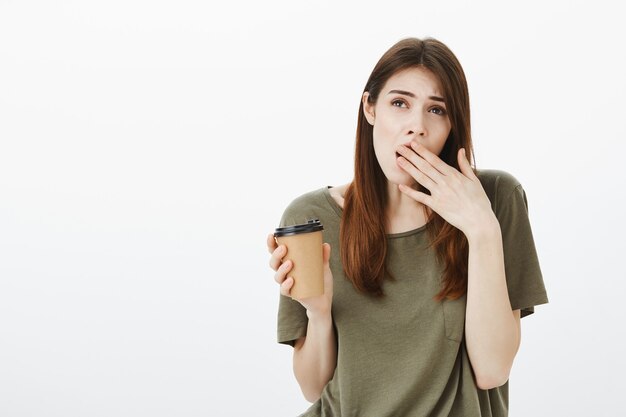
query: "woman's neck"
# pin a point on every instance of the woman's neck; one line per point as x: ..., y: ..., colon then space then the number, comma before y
x: 402, y: 212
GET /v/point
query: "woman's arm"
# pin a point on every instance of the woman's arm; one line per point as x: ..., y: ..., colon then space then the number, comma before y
x: 492, y: 329
x: 315, y: 356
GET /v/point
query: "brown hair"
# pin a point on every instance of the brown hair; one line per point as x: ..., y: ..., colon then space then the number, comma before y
x: 362, y: 232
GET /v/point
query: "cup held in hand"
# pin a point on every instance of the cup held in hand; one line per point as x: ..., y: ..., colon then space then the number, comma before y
x: 304, y: 250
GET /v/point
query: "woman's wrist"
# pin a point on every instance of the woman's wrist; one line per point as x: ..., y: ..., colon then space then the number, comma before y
x: 486, y: 228
x: 321, y: 317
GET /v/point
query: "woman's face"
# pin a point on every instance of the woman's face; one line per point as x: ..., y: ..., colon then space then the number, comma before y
x: 410, y: 107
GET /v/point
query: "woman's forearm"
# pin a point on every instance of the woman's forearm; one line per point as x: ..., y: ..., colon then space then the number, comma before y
x: 315, y: 356
x: 491, y: 330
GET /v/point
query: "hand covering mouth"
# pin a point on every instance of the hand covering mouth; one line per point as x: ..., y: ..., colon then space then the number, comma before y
x: 406, y: 145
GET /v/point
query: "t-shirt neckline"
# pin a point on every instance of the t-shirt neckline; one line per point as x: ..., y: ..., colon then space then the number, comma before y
x: 339, y: 211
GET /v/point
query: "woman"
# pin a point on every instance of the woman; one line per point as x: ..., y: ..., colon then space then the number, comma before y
x: 432, y: 264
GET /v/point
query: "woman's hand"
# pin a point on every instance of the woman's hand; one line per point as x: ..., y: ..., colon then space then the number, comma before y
x: 456, y: 196
x: 316, y: 306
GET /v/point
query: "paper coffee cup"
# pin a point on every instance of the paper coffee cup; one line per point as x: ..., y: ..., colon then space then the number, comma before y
x: 304, y: 250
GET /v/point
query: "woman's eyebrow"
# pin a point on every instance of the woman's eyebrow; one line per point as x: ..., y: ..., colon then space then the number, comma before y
x: 408, y: 93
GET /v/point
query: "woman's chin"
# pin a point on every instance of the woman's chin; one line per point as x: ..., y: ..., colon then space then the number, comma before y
x: 399, y: 176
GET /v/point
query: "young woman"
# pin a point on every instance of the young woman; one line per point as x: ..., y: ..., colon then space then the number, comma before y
x: 432, y: 263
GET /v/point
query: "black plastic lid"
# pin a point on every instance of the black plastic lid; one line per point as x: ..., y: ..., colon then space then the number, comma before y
x: 312, y: 225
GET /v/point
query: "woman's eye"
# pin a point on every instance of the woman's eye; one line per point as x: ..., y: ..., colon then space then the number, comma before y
x: 439, y: 111
x: 395, y: 102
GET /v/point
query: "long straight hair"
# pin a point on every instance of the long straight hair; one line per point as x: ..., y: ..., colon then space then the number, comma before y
x: 362, y: 231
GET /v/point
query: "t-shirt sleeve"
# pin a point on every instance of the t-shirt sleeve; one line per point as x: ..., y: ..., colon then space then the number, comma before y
x: 292, y: 318
x: 523, y: 274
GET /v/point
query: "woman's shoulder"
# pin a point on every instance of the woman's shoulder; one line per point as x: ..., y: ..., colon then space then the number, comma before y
x: 307, y: 198
x: 503, y: 189
x: 315, y: 203
x: 497, y: 181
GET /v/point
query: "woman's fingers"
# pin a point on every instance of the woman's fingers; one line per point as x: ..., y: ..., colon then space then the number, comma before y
x: 466, y: 167
x: 281, y: 272
x: 282, y: 268
x: 418, y: 196
x: 285, y: 287
x: 326, y: 253
x: 435, y: 167
x: 418, y: 163
x: 418, y: 175
x: 271, y: 243
x: 277, y: 257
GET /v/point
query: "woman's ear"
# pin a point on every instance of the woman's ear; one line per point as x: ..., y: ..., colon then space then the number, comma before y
x: 368, y: 109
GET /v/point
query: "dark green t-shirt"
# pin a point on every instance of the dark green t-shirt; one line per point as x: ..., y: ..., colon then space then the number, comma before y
x: 404, y: 354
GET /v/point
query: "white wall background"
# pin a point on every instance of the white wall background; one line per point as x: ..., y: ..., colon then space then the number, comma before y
x: 148, y: 147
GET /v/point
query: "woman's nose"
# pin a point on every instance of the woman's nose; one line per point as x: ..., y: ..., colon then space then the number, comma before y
x: 417, y: 126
